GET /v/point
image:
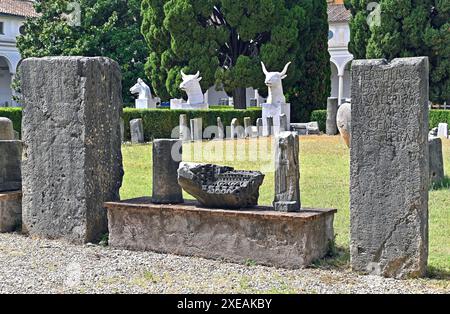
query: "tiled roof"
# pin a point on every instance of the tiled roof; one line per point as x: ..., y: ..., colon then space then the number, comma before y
x: 338, y: 13
x: 17, y: 7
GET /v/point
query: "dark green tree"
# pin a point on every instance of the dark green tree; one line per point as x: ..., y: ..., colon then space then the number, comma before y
x: 109, y: 28
x: 405, y: 28
x: 226, y: 41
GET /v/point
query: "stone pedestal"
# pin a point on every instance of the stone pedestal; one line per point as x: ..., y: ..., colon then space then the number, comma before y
x: 332, y: 107
x: 166, y: 160
x: 275, y: 110
x: 72, y: 154
x: 137, y: 131
x: 145, y: 104
x: 10, y: 211
x: 179, y: 104
x: 389, y: 167
x: 436, y: 160
x: 287, y: 173
x: 289, y: 240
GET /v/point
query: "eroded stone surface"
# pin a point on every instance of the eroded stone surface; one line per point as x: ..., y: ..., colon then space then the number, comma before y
x: 287, y: 173
x: 220, y: 186
x: 72, y: 156
x: 10, y: 211
x: 332, y: 107
x: 137, y: 131
x: 166, y: 159
x: 389, y: 167
x: 6, y: 129
x: 436, y: 160
x: 10, y: 165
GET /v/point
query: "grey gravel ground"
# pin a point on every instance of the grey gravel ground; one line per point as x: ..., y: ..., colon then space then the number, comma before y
x: 42, y: 266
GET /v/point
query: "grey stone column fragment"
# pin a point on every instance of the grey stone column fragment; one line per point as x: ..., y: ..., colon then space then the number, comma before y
x: 72, y: 154
x: 10, y: 165
x: 332, y: 107
x: 259, y: 126
x: 196, y: 129
x: 185, y: 132
x: 269, y: 130
x: 436, y: 160
x: 287, y: 173
x: 283, y: 123
x: 389, y: 171
x: 122, y: 131
x: 137, y: 131
x: 234, y: 128
x: 247, y: 127
x: 220, y: 129
x: 6, y: 129
x: 167, y: 155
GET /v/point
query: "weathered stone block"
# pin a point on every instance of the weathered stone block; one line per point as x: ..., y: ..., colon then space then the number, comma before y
x: 10, y: 165
x: 137, y: 131
x: 10, y: 211
x: 247, y: 127
x: 332, y: 107
x: 283, y: 123
x: 6, y: 129
x: 269, y: 126
x: 185, y: 133
x: 72, y: 159
x: 289, y: 240
x: 166, y: 160
x: 436, y: 160
x: 389, y: 167
x: 287, y: 173
x: 259, y: 126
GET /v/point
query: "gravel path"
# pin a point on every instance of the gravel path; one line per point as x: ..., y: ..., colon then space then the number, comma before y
x: 42, y: 266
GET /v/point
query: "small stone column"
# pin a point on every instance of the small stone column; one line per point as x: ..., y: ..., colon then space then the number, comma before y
x: 287, y: 173
x: 196, y: 129
x: 234, y: 128
x: 137, y: 131
x: 6, y: 129
x: 259, y: 126
x: 220, y: 129
x: 332, y: 107
x: 10, y: 158
x: 436, y: 160
x: 283, y: 123
x: 167, y: 155
x: 185, y: 133
x: 122, y: 130
x: 269, y: 131
x: 73, y: 159
x: 247, y: 127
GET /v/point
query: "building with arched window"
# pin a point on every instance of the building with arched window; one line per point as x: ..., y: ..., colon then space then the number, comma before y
x: 12, y: 15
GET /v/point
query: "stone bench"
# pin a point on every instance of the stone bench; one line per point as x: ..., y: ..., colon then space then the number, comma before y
x: 288, y: 240
x: 10, y: 211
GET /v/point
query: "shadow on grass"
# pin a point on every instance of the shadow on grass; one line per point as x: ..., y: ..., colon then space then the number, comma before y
x: 338, y: 257
x: 437, y: 273
x: 443, y: 185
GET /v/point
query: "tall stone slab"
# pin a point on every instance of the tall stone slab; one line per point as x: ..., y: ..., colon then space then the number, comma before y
x: 259, y: 126
x: 436, y: 160
x: 269, y: 126
x: 166, y: 160
x: 332, y: 108
x: 283, y: 123
x: 247, y: 127
x: 72, y: 159
x: 10, y: 165
x: 185, y: 133
x: 196, y: 129
x: 137, y: 131
x: 220, y: 129
x: 287, y: 173
x: 389, y: 167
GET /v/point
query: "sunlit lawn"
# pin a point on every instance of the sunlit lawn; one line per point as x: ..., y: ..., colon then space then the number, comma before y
x: 324, y: 182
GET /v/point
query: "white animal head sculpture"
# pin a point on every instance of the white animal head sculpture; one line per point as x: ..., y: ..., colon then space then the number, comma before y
x: 273, y: 81
x: 191, y: 85
x: 142, y: 89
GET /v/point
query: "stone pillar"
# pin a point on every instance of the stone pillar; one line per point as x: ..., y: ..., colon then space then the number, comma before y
x: 72, y: 156
x: 234, y: 128
x: 196, y: 129
x: 269, y: 126
x: 185, y: 133
x: 283, y: 123
x: 137, y: 131
x: 332, y: 107
x: 166, y: 160
x: 220, y: 129
x: 436, y: 160
x: 287, y: 173
x: 122, y: 131
x: 6, y: 129
x: 259, y: 126
x: 247, y: 127
x: 389, y: 167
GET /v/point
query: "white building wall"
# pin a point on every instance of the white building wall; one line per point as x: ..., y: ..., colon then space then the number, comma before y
x: 9, y: 56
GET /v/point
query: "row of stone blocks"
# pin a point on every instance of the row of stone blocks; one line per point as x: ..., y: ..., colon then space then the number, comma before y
x: 195, y: 132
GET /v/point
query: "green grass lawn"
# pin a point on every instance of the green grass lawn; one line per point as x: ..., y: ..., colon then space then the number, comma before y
x: 324, y: 183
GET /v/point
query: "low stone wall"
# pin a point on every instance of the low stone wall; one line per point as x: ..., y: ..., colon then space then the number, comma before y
x: 288, y: 240
x: 10, y: 211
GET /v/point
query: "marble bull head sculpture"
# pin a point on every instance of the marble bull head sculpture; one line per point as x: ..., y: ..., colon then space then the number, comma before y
x: 274, y: 82
x: 191, y: 85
